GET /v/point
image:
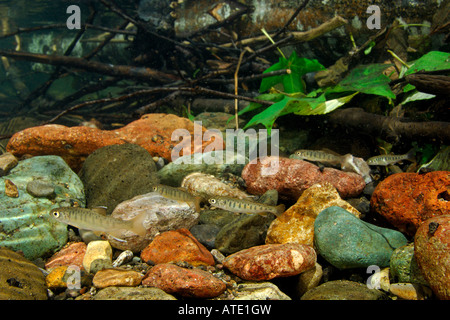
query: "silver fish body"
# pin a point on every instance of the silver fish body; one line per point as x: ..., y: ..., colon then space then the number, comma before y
x: 178, y: 195
x: 317, y: 156
x: 245, y: 206
x: 388, y: 159
x: 93, y: 219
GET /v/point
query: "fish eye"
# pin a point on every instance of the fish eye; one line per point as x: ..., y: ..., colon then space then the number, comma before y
x: 155, y: 188
x: 212, y: 201
x: 55, y: 214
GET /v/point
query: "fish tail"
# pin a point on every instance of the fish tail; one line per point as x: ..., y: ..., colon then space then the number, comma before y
x: 411, y: 155
x: 197, y: 202
x: 138, y: 224
x: 280, y: 209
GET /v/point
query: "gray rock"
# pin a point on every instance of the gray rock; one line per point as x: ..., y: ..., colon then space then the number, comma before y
x: 41, y: 189
x: 343, y: 290
x: 116, y: 173
x: 131, y: 293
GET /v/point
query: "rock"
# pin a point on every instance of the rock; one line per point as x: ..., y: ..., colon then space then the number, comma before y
x: 192, y: 283
x: 162, y: 215
x: 177, y: 246
x: 309, y: 279
x: 408, y: 199
x: 245, y: 231
x: 379, y: 279
x: 129, y: 293
x: 213, y: 163
x: 432, y: 252
x: 269, y: 261
x: 293, y: 176
x: 7, y: 162
x: 124, y: 257
x: 20, y: 279
x: 297, y: 223
x: 217, y: 217
x: 11, y: 189
x: 117, y: 173
x: 403, y: 266
x: 410, y: 291
x: 41, y: 189
x: 348, y: 242
x: 24, y: 221
x: 153, y: 132
x: 116, y: 278
x: 71, y: 255
x: 259, y: 291
x: 205, y: 234
x: 343, y: 290
x: 98, y: 256
x: 57, y: 278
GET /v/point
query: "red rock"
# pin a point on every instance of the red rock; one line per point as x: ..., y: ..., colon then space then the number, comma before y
x: 432, y: 252
x: 271, y: 261
x: 193, y: 283
x: 295, y: 176
x: 153, y: 132
x: 408, y: 199
x: 177, y: 246
x: 71, y: 255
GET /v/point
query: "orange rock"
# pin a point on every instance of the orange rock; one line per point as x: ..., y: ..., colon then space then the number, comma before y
x: 177, y: 246
x: 71, y: 255
x: 152, y: 132
x: 193, y: 283
x: 117, y: 278
x: 408, y: 199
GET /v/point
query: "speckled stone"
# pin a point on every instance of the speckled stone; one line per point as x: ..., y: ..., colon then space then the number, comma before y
x: 116, y: 278
x: 343, y: 290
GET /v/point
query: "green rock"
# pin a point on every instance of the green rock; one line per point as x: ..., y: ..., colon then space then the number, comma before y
x: 24, y: 222
x: 348, y: 242
x: 404, y: 267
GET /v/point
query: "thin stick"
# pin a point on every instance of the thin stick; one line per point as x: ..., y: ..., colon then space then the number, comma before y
x: 236, y: 87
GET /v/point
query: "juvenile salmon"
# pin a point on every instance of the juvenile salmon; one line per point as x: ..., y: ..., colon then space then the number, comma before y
x: 178, y: 195
x: 245, y: 206
x: 317, y: 156
x: 95, y: 220
x: 387, y: 159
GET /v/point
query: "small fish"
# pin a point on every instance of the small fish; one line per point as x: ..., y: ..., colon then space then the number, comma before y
x: 317, y: 156
x: 245, y: 206
x: 387, y: 159
x: 95, y: 220
x: 178, y: 195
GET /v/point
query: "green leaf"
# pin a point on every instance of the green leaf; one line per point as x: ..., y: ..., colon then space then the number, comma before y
x: 275, y: 97
x: 269, y: 82
x: 366, y: 79
x: 431, y: 61
x: 326, y: 106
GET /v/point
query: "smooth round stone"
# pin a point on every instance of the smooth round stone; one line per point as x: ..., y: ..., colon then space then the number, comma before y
x: 130, y: 293
x: 348, y: 242
x: 41, y: 189
x: 343, y: 290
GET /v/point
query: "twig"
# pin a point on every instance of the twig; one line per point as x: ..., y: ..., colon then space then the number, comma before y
x: 236, y: 87
x: 295, y: 14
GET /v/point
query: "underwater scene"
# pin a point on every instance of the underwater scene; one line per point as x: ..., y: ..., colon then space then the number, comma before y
x: 209, y: 152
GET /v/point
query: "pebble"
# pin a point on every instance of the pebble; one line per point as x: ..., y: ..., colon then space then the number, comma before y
x: 205, y: 234
x: 192, y: 283
x: 348, y: 242
x: 431, y: 249
x: 270, y: 261
x: 123, y: 258
x: 406, y: 200
x: 41, y: 189
x: 7, y: 162
x: 309, y: 279
x: 297, y: 223
x: 343, y: 290
x: 410, y: 291
x: 98, y: 256
x: 20, y: 279
x: 404, y: 267
x: 71, y: 255
x: 24, y: 220
x: 161, y: 214
x: 116, y: 277
x: 261, y: 291
x: 11, y: 189
x: 128, y: 293
x: 152, y: 131
x: 177, y: 246
x: 292, y: 177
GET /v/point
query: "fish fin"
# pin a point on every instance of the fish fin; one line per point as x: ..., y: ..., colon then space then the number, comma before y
x: 280, y: 209
x: 197, y: 202
x: 138, y: 224
x: 100, y: 210
x: 117, y: 239
x: 411, y: 155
